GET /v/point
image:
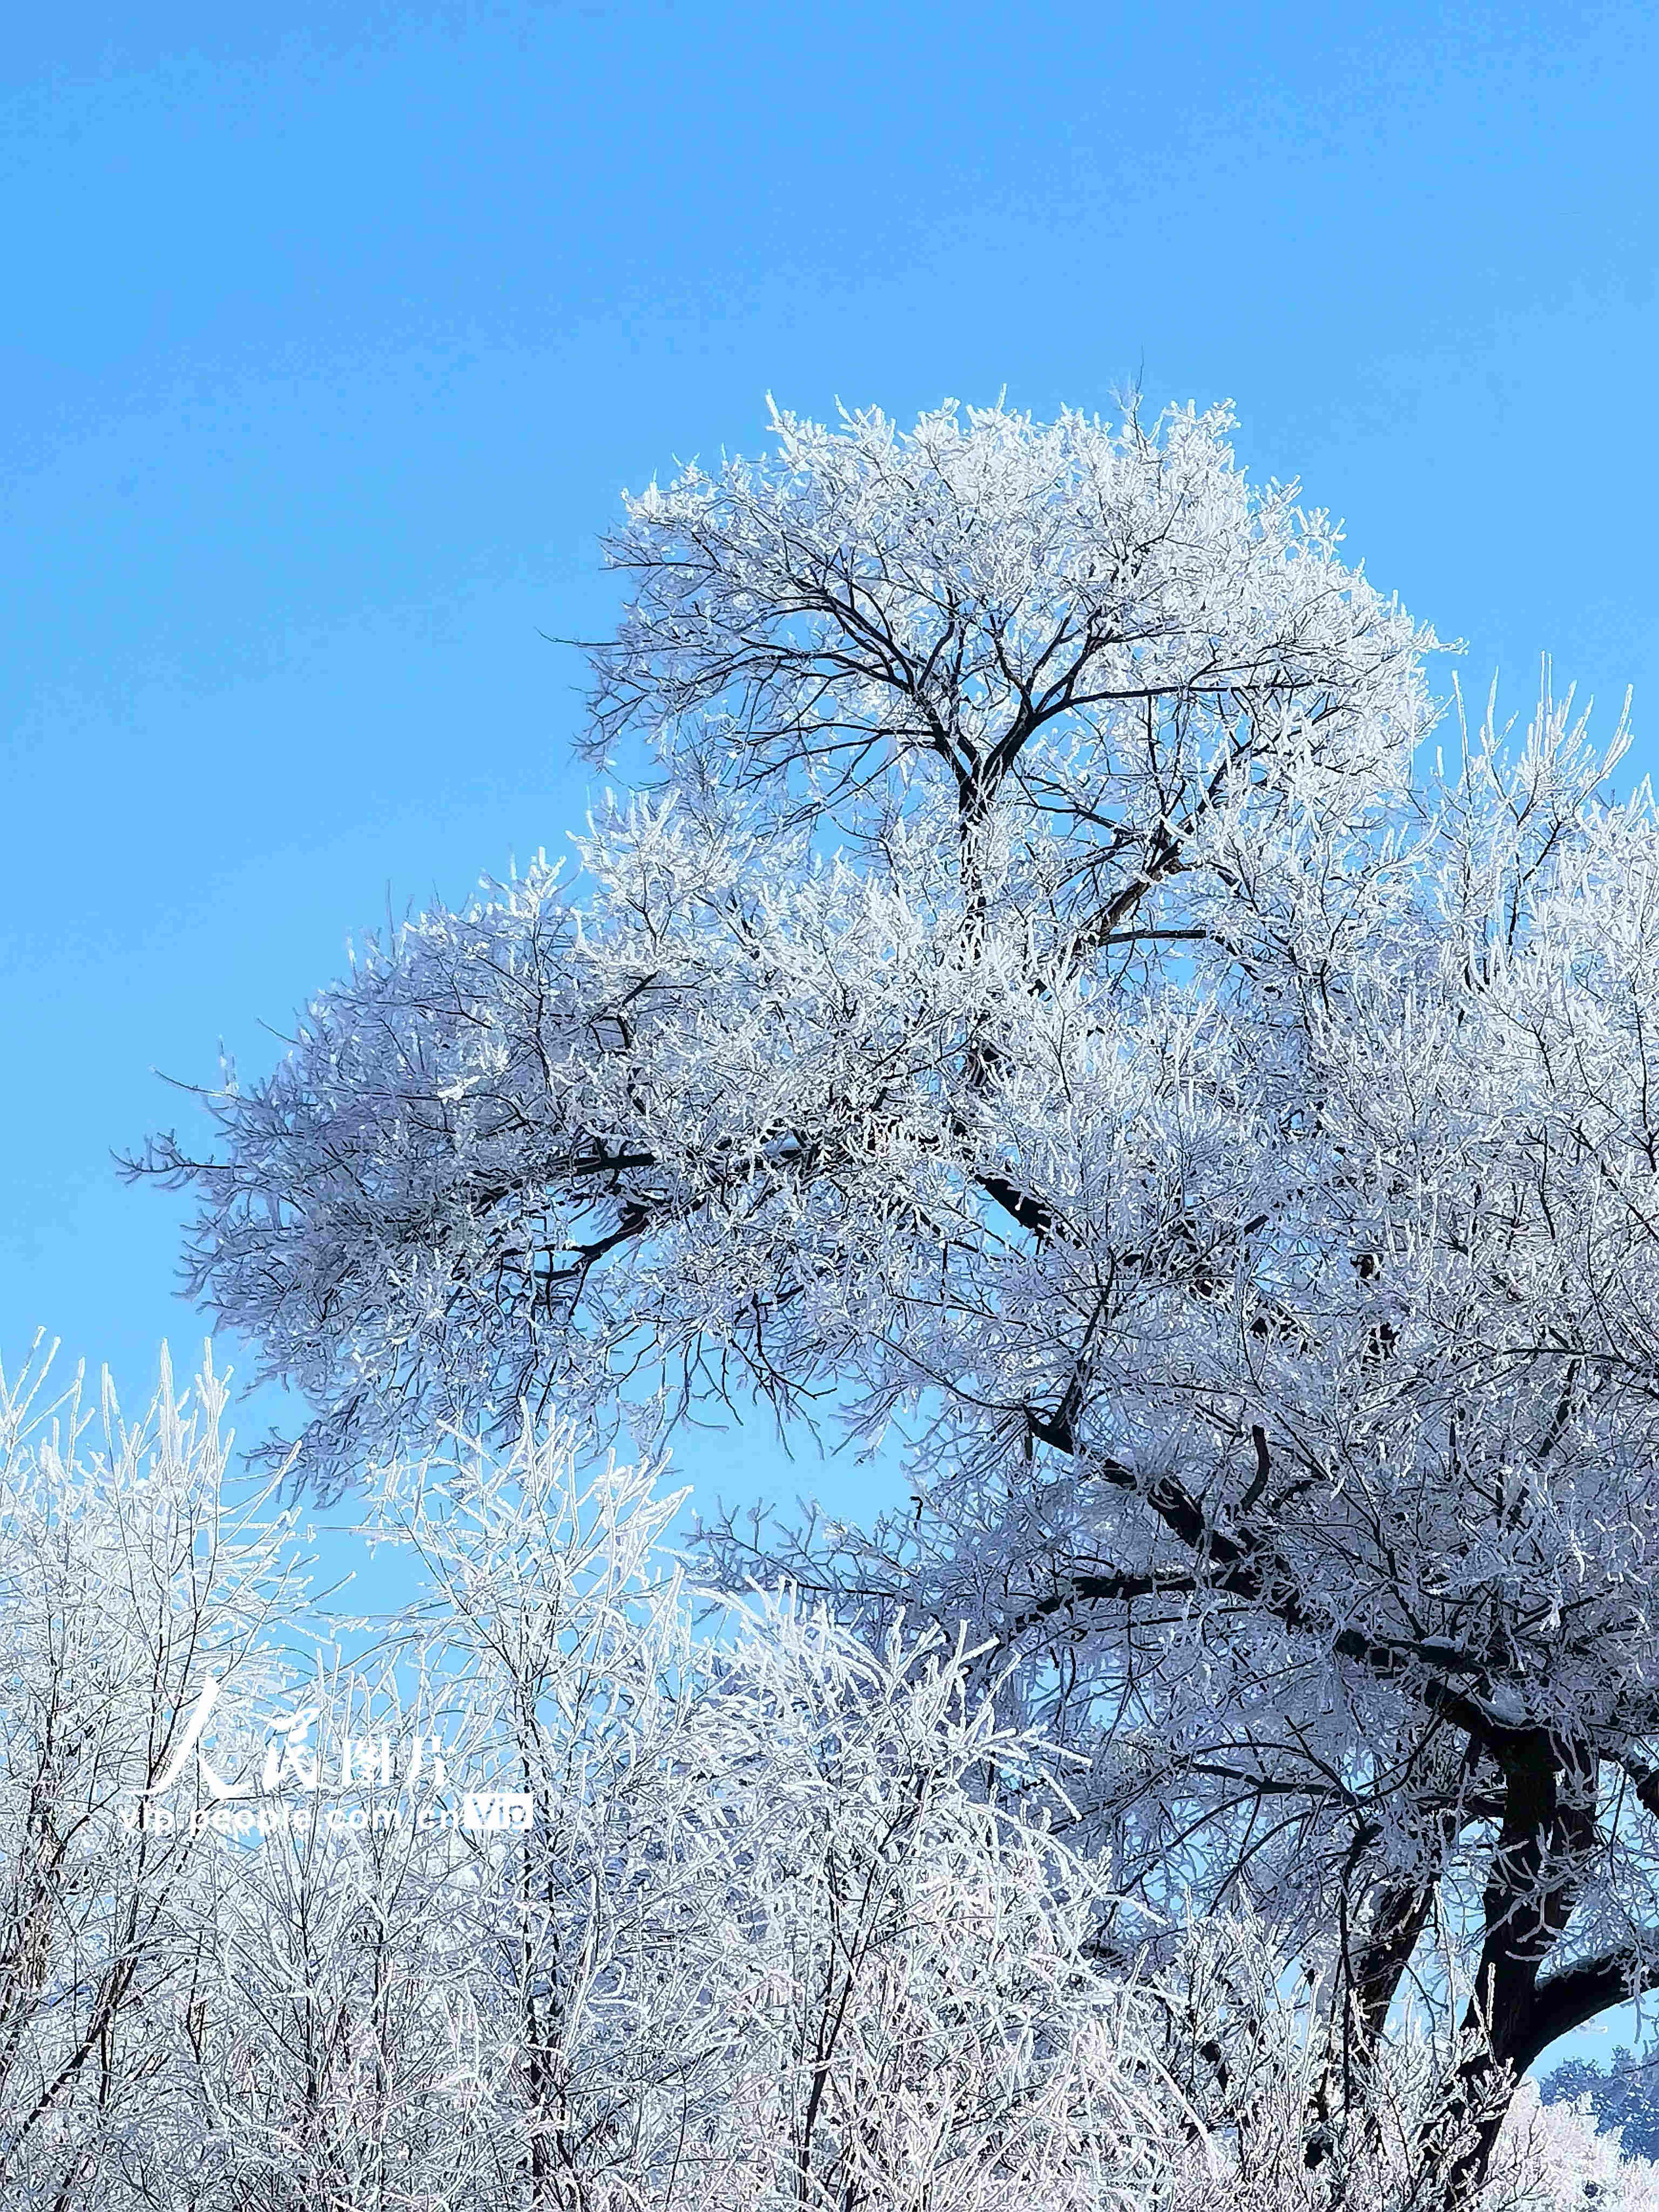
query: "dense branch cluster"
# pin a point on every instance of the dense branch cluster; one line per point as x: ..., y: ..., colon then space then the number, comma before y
x: 1050, y: 1008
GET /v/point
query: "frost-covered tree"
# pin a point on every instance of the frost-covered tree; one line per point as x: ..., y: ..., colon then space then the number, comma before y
x: 1042, y: 1009
x: 774, y: 1938
x: 1620, y: 2096
x: 126, y: 1575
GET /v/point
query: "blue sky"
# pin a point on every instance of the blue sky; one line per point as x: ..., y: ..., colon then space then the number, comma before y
x: 332, y: 337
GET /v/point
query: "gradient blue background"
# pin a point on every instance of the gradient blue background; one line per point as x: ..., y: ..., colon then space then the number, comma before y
x: 328, y: 342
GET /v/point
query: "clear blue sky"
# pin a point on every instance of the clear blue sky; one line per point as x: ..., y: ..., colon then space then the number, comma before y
x: 330, y: 337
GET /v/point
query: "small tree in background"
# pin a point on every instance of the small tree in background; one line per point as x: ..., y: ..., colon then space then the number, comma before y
x: 1621, y: 2095
x: 126, y: 1576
